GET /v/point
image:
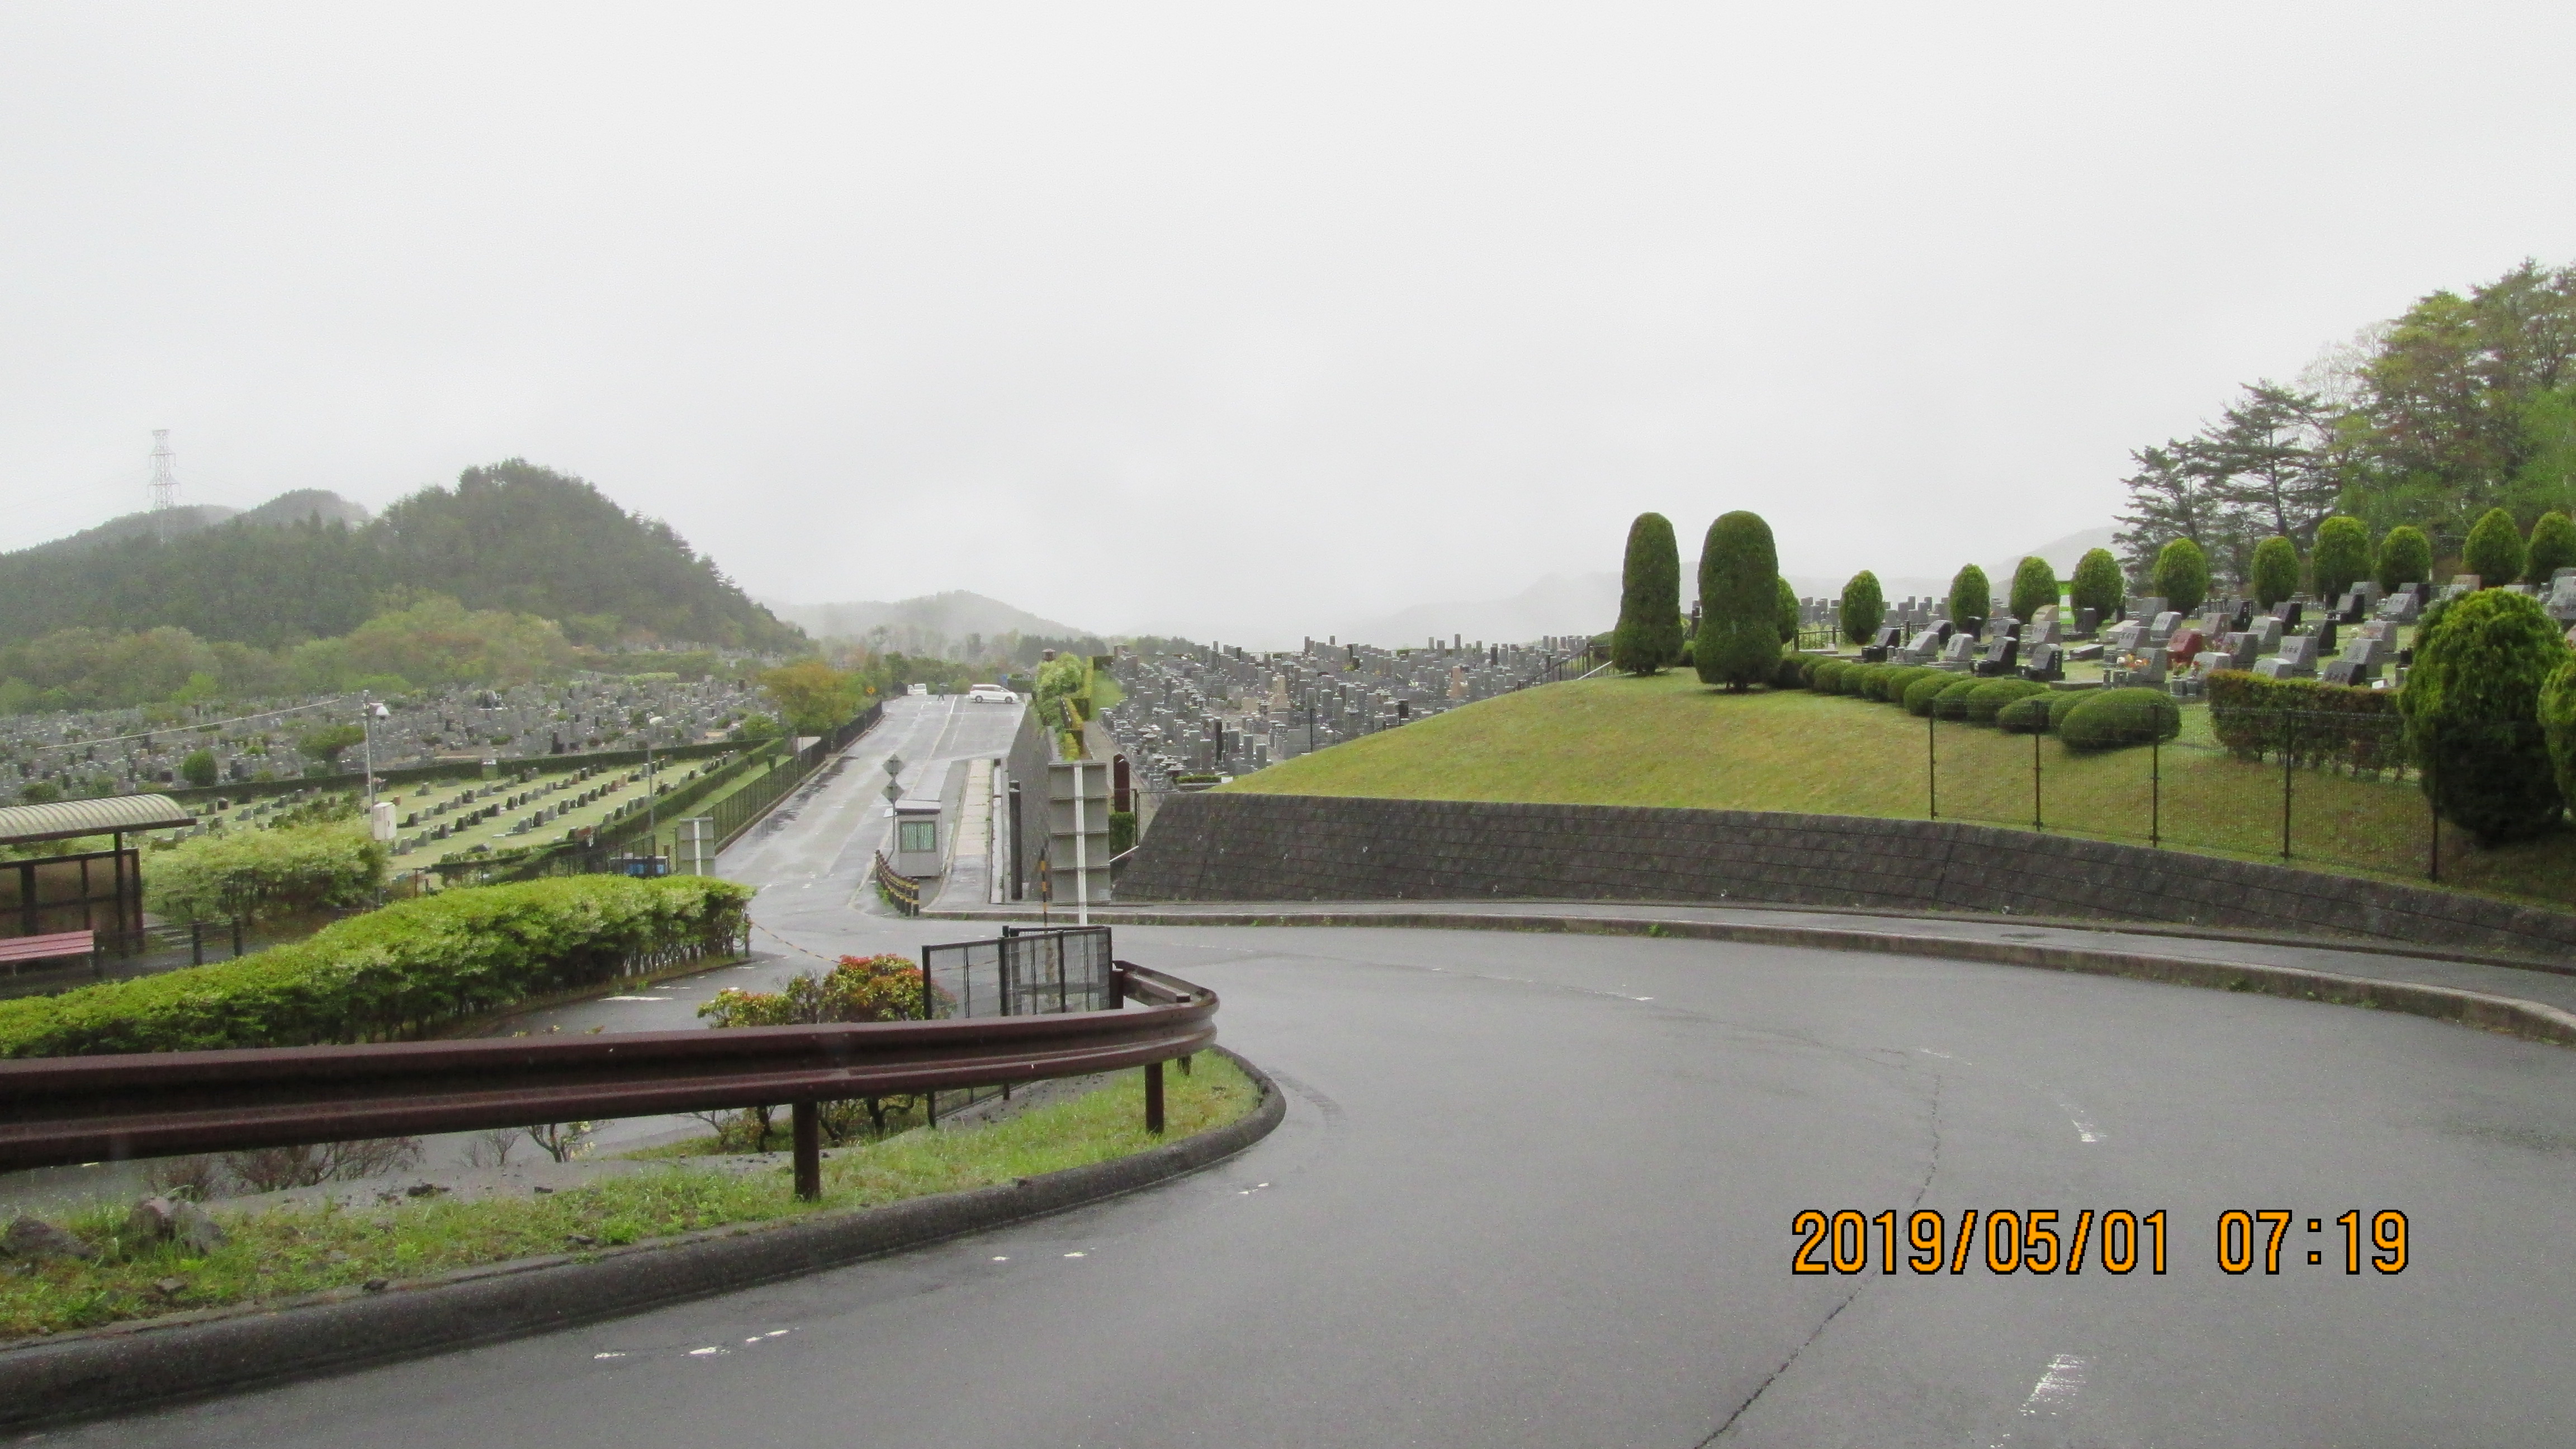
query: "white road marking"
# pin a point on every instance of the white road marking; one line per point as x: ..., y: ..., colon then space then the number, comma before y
x: 635, y: 998
x: 608, y: 1355
x: 703, y: 1352
x: 2056, y: 1388
x: 2084, y: 1128
x: 1077, y: 1255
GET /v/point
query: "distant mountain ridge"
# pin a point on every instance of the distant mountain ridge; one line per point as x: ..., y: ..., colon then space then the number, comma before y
x: 310, y: 564
x: 941, y: 624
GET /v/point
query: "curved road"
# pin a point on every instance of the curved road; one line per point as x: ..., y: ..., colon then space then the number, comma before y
x: 1538, y: 1190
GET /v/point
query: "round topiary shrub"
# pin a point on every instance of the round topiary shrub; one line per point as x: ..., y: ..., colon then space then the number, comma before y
x: 2182, y: 575
x: 2111, y: 718
x: 2060, y: 702
x: 1873, y: 681
x: 2027, y: 715
x: 1952, y: 701
x: 1827, y: 675
x: 1920, y: 694
x: 2034, y: 587
x: 1738, y: 644
x: 2475, y: 713
x: 2276, y: 571
x: 1863, y: 607
x: 2097, y: 585
x: 1994, y: 694
x: 1649, y: 635
x: 1902, y: 678
x: 1793, y: 673
x: 2405, y: 557
x: 2552, y: 547
x: 2341, y: 557
x: 1971, y: 598
x: 2494, y: 549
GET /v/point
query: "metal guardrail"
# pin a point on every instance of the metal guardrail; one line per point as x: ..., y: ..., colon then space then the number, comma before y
x: 60, y: 1110
x: 902, y: 890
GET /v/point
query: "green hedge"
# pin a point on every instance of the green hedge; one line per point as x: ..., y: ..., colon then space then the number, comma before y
x: 2061, y: 703
x: 2110, y: 718
x: 1920, y: 694
x: 239, y: 872
x: 396, y: 972
x: 1903, y: 678
x: 2027, y: 715
x: 1792, y: 675
x: 1952, y: 701
x: 2319, y: 724
x: 1994, y: 694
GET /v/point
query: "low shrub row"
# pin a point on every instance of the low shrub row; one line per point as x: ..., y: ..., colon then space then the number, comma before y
x: 242, y: 872
x: 2314, y: 723
x: 396, y: 972
x: 2102, y: 719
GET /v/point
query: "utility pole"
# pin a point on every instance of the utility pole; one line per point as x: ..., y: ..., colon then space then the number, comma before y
x: 652, y: 805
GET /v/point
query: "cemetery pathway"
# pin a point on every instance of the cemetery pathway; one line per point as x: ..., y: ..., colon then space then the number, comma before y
x: 1539, y: 1190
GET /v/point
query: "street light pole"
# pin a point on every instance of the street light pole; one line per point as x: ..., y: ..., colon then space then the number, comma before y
x: 652, y: 802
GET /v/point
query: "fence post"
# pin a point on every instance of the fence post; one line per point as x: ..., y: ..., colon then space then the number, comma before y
x: 2289, y: 756
x: 2034, y: 783
x: 1154, y: 1098
x: 2156, y: 790
x: 807, y: 1118
x: 1932, y: 761
x: 2433, y: 797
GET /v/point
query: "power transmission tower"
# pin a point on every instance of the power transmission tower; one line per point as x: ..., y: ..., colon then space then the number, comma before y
x: 165, y: 477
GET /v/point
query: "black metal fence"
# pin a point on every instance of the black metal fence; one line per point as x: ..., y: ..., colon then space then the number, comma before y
x: 2336, y: 788
x: 1025, y: 973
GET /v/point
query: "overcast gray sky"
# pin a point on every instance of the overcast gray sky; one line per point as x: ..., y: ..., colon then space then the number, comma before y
x: 1223, y: 320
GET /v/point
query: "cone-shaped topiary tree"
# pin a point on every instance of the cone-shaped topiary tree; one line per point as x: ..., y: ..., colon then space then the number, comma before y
x: 2034, y: 588
x: 2494, y: 549
x: 2341, y: 557
x: 2182, y: 575
x: 1649, y: 635
x: 1788, y: 613
x: 1739, y: 603
x: 2553, y: 547
x: 2405, y: 557
x: 1971, y: 598
x: 2472, y: 703
x: 2097, y: 585
x: 2276, y: 571
x: 1863, y: 607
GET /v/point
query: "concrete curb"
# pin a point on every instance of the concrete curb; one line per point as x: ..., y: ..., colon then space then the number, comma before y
x: 2510, y: 1016
x: 189, y: 1356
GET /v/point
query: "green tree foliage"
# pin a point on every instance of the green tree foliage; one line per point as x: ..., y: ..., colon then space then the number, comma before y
x: 1925, y: 690
x: 2276, y: 571
x: 1649, y: 635
x: 812, y: 695
x: 244, y: 873
x: 1739, y: 592
x: 856, y: 989
x: 1788, y: 614
x: 2472, y: 708
x: 1971, y: 598
x: 199, y: 768
x: 511, y: 537
x: 324, y: 744
x: 1864, y: 606
x: 1991, y: 695
x: 2494, y: 550
x: 2097, y: 584
x: 2342, y: 556
x: 2034, y: 587
x: 394, y: 973
x: 2027, y: 715
x: 2405, y: 557
x: 2113, y: 718
x: 2552, y: 547
x: 2558, y: 726
x: 2182, y: 575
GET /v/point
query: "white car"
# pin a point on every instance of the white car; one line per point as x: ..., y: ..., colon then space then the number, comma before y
x: 990, y: 694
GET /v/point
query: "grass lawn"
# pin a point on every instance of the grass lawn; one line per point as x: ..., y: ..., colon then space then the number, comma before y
x: 291, y: 1251
x: 1672, y: 741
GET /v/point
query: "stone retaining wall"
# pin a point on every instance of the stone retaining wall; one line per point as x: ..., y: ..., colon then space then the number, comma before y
x: 1230, y: 847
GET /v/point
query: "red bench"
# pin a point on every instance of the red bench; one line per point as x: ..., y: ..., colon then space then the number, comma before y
x: 14, y: 949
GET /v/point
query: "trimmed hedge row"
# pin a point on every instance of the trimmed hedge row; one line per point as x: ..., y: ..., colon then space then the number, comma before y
x: 396, y: 972
x: 2016, y: 706
x: 2319, y: 724
x: 237, y: 872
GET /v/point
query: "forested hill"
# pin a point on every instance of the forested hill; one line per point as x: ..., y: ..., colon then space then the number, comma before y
x: 511, y: 536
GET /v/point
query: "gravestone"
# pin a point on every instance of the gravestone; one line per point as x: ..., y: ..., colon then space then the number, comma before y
x: 2163, y: 627
x: 2185, y: 645
x: 2088, y: 621
x: 2297, y: 659
x: 2127, y: 637
x: 2047, y: 662
x: 2242, y: 647
x: 1999, y: 658
x: 2145, y: 606
x: 2562, y: 597
x: 1961, y: 652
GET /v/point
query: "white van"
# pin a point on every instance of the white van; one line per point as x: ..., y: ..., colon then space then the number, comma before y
x: 990, y: 694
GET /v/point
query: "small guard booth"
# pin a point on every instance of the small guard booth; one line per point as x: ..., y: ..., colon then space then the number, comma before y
x: 918, y: 834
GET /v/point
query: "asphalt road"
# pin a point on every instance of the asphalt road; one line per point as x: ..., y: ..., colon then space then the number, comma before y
x: 1539, y: 1190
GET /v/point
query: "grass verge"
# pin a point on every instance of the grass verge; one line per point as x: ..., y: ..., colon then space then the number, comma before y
x: 1672, y: 741
x: 288, y: 1252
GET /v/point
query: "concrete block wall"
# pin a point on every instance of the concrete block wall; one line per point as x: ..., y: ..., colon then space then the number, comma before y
x: 1230, y: 847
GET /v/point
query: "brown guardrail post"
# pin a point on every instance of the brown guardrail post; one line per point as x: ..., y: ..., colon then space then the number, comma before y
x: 1154, y: 1098
x: 808, y: 1120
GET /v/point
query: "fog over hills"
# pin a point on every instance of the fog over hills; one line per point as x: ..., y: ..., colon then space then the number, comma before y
x: 941, y: 623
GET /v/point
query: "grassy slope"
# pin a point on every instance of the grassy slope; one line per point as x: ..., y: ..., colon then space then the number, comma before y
x: 1672, y: 741
x: 292, y: 1251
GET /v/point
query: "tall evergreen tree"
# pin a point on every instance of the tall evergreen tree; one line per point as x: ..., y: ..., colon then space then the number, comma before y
x: 2097, y: 584
x: 2342, y: 557
x: 1649, y: 636
x: 2276, y: 570
x: 1864, y: 606
x: 2494, y: 549
x: 2474, y: 718
x: 2552, y: 547
x: 1739, y: 594
x: 1971, y: 598
x: 1789, y: 611
x: 2034, y: 587
x: 2405, y: 557
x: 2182, y: 575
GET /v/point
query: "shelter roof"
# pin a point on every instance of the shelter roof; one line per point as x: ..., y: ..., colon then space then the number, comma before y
x: 63, y: 819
